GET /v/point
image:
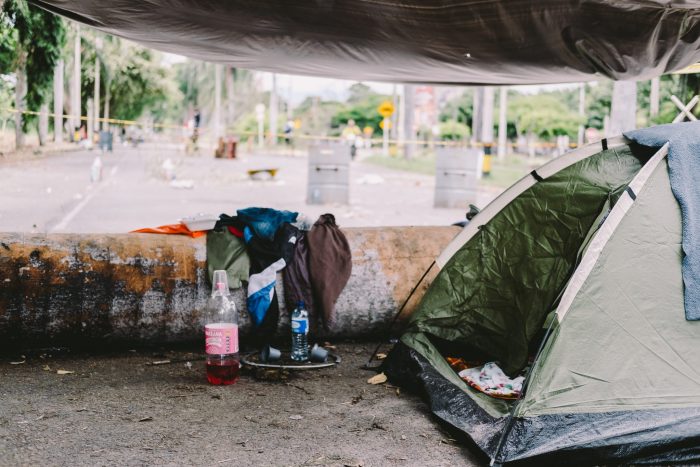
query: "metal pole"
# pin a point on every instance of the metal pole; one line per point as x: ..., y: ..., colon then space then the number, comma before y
x: 582, y: 113
x: 385, y: 134
x: 217, y: 102
x: 623, y: 112
x: 409, y: 131
x: 503, y: 124
x: 75, y: 95
x: 273, y: 111
x: 260, y: 115
x: 654, y: 98
x: 96, y: 99
x: 58, y: 102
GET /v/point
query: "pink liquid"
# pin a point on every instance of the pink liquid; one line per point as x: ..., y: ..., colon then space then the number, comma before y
x: 223, y: 372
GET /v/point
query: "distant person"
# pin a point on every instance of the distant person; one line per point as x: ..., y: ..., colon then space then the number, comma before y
x: 350, y: 134
x: 288, y: 132
x: 197, y: 121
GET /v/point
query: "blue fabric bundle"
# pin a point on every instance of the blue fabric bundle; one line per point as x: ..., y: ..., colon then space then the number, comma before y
x: 265, y: 221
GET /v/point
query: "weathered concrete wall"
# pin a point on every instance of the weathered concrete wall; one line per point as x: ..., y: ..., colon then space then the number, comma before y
x: 63, y: 289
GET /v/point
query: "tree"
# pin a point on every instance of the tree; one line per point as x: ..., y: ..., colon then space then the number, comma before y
x: 459, y: 109
x: 132, y: 77
x: 34, y: 49
x: 543, y: 115
x: 359, y: 92
x: 361, y: 107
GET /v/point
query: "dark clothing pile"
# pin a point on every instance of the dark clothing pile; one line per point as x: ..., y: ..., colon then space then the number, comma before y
x: 316, y: 264
x: 330, y: 264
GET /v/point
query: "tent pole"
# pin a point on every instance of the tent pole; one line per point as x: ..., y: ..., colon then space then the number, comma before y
x: 396, y: 316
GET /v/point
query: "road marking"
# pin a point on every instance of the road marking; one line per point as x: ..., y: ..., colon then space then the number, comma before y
x: 73, y: 212
x: 81, y: 205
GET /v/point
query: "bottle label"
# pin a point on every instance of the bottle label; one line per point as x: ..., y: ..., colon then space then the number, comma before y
x: 300, y: 325
x: 221, y: 338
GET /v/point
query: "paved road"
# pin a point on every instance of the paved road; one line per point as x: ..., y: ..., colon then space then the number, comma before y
x: 54, y: 193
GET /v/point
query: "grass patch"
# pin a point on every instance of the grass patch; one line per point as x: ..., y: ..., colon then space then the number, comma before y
x: 422, y: 164
x: 502, y: 174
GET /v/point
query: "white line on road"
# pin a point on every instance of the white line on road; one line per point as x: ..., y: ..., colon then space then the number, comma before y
x: 73, y: 212
x: 79, y: 207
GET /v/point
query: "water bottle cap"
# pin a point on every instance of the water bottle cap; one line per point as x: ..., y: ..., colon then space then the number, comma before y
x: 301, y: 304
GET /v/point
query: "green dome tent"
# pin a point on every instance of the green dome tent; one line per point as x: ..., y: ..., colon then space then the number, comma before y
x: 573, y: 277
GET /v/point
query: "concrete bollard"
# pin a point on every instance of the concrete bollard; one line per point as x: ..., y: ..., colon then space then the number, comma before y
x: 329, y: 174
x: 456, y: 173
x: 140, y: 288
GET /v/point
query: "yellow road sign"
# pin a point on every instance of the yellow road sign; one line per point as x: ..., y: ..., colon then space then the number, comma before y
x: 385, y: 109
x: 388, y: 124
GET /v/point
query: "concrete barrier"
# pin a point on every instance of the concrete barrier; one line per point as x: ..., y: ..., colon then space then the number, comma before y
x: 456, y: 173
x: 93, y: 289
x: 329, y: 174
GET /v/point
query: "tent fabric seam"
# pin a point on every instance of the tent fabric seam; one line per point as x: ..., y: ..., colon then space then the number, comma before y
x: 612, y: 221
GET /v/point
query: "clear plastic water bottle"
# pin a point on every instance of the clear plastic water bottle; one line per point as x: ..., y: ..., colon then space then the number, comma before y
x: 221, y: 334
x: 300, y: 333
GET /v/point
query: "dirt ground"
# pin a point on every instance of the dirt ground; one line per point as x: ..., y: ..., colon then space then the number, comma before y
x: 117, y: 410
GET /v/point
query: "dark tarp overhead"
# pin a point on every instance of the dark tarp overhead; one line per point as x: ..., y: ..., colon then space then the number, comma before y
x: 430, y: 41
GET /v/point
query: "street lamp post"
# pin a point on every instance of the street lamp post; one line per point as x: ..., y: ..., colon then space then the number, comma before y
x: 260, y: 115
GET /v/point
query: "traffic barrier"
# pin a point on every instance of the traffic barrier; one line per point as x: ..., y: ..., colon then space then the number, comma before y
x: 92, y: 290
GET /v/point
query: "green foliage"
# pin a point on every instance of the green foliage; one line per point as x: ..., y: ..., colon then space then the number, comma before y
x: 459, y: 109
x: 361, y: 107
x: 8, y: 43
x: 132, y: 78
x: 316, y: 115
x: 598, y: 101
x: 359, y: 93
x: 38, y: 39
x: 544, y: 115
x: 453, y: 131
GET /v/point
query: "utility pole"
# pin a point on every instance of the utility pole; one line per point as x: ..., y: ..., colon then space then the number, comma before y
x: 90, y: 118
x: 260, y: 116
x: 582, y: 113
x: 654, y: 98
x: 393, y: 132
x: 75, y: 93
x: 230, y: 96
x: 623, y: 109
x: 217, y: 101
x: 58, y: 101
x: 487, y: 119
x: 409, y: 131
x: 477, y: 102
x: 273, y: 111
x: 96, y: 98
x: 503, y: 124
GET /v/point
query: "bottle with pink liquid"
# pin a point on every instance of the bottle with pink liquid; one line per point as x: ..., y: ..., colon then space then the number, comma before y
x: 221, y: 333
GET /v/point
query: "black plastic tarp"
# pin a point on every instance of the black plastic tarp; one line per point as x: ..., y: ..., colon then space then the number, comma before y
x: 429, y: 41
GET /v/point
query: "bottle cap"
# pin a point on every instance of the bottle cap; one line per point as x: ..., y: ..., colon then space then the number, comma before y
x: 220, y: 282
x: 301, y: 304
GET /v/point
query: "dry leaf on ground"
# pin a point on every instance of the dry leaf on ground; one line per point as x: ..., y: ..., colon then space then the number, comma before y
x: 377, y: 379
x: 64, y: 372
